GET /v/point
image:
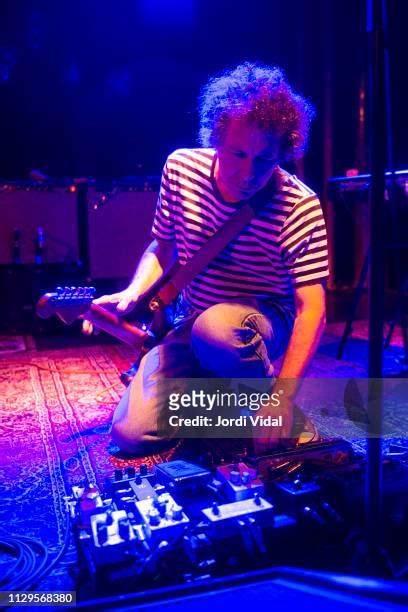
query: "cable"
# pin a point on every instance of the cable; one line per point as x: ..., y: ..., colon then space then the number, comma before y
x: 32, y: 560
x: 31, y: 557
x: 98, y: 398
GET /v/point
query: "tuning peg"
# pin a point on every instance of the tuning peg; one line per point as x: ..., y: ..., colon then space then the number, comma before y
x: 90, y: 292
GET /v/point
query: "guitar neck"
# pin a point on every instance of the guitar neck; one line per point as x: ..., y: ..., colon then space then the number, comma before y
x: 110, y: 323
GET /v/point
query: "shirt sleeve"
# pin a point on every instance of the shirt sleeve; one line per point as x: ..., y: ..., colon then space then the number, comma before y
x: 304, y: 243
x: 163, y: 222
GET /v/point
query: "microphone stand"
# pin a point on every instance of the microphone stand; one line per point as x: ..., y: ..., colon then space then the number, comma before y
x: 369, y: 557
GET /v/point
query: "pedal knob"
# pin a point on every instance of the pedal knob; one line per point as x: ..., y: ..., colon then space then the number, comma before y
x: 162, y: 508
x: 257, y: 499
x: 154, y: 517
x: 117, y: 475
x: 235, y: 477
x: 102, y: 534
x: 143, y: 469
x: 130, y: 471
x: 246, y: 477
x: 177, y: 513
x: 297, y: 484
x: 215, y: 508
x: 124, y: 529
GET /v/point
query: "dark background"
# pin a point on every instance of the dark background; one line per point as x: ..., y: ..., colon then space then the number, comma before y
x: 107, y: 89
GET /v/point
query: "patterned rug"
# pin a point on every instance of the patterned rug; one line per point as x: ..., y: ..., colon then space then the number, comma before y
x: 55, y: 413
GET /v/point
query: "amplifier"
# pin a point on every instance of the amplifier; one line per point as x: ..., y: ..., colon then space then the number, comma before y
x: 118, y: 226
x: 119, y: 232
x: 27, y: 207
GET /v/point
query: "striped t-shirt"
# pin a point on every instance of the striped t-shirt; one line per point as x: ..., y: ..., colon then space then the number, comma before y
x: 284, y: 245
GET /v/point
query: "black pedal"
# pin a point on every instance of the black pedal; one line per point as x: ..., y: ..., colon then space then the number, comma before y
x: 181, y: 475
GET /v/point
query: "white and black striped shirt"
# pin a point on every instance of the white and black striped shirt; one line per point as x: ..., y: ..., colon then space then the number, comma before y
x: 284, y: 246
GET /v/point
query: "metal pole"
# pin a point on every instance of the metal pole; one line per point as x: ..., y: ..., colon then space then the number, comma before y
x: 377, y: 161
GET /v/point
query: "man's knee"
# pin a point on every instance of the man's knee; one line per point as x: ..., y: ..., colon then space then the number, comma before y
x: 223, y: 344
x: 215, y: 327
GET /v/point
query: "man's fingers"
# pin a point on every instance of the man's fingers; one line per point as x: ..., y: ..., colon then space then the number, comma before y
x: 119, y: 302
x: 108, y: 299
x: 89, y: 329
x: 123, y: 305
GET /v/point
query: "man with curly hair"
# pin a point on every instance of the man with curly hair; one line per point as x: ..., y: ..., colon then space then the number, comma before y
x: 263, y: 296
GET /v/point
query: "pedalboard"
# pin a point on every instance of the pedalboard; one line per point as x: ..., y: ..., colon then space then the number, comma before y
x: 181, y: 521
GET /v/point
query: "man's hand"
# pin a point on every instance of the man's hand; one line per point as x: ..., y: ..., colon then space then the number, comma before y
x: 307, y: 331
x: 269, y: 438
x: 156, y: 259
x: 121, y: 303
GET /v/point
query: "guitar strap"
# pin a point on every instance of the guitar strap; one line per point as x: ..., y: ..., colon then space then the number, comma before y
x: 182, y: 275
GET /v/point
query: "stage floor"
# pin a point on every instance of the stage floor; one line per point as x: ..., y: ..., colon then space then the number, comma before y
x: 56, y: 406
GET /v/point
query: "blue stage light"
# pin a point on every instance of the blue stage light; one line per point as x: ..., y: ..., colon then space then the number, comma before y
x: 170, y: 13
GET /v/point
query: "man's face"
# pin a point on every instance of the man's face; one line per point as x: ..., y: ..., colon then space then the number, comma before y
x: 247, y: 158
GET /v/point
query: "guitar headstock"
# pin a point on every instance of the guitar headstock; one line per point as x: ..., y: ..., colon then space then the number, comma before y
x: 68, y: 303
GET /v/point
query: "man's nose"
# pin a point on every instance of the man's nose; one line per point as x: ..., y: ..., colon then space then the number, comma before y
x: 247, y: 170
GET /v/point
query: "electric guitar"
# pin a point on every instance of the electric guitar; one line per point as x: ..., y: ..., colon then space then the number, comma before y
x: 71, y: 303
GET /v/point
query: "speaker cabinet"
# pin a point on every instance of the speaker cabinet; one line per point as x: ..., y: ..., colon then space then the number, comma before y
x: 119, y: 232
x: 26, y: 209
x: 118, y: 228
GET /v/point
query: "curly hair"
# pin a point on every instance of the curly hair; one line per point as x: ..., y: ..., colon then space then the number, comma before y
x: 262, y: 95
